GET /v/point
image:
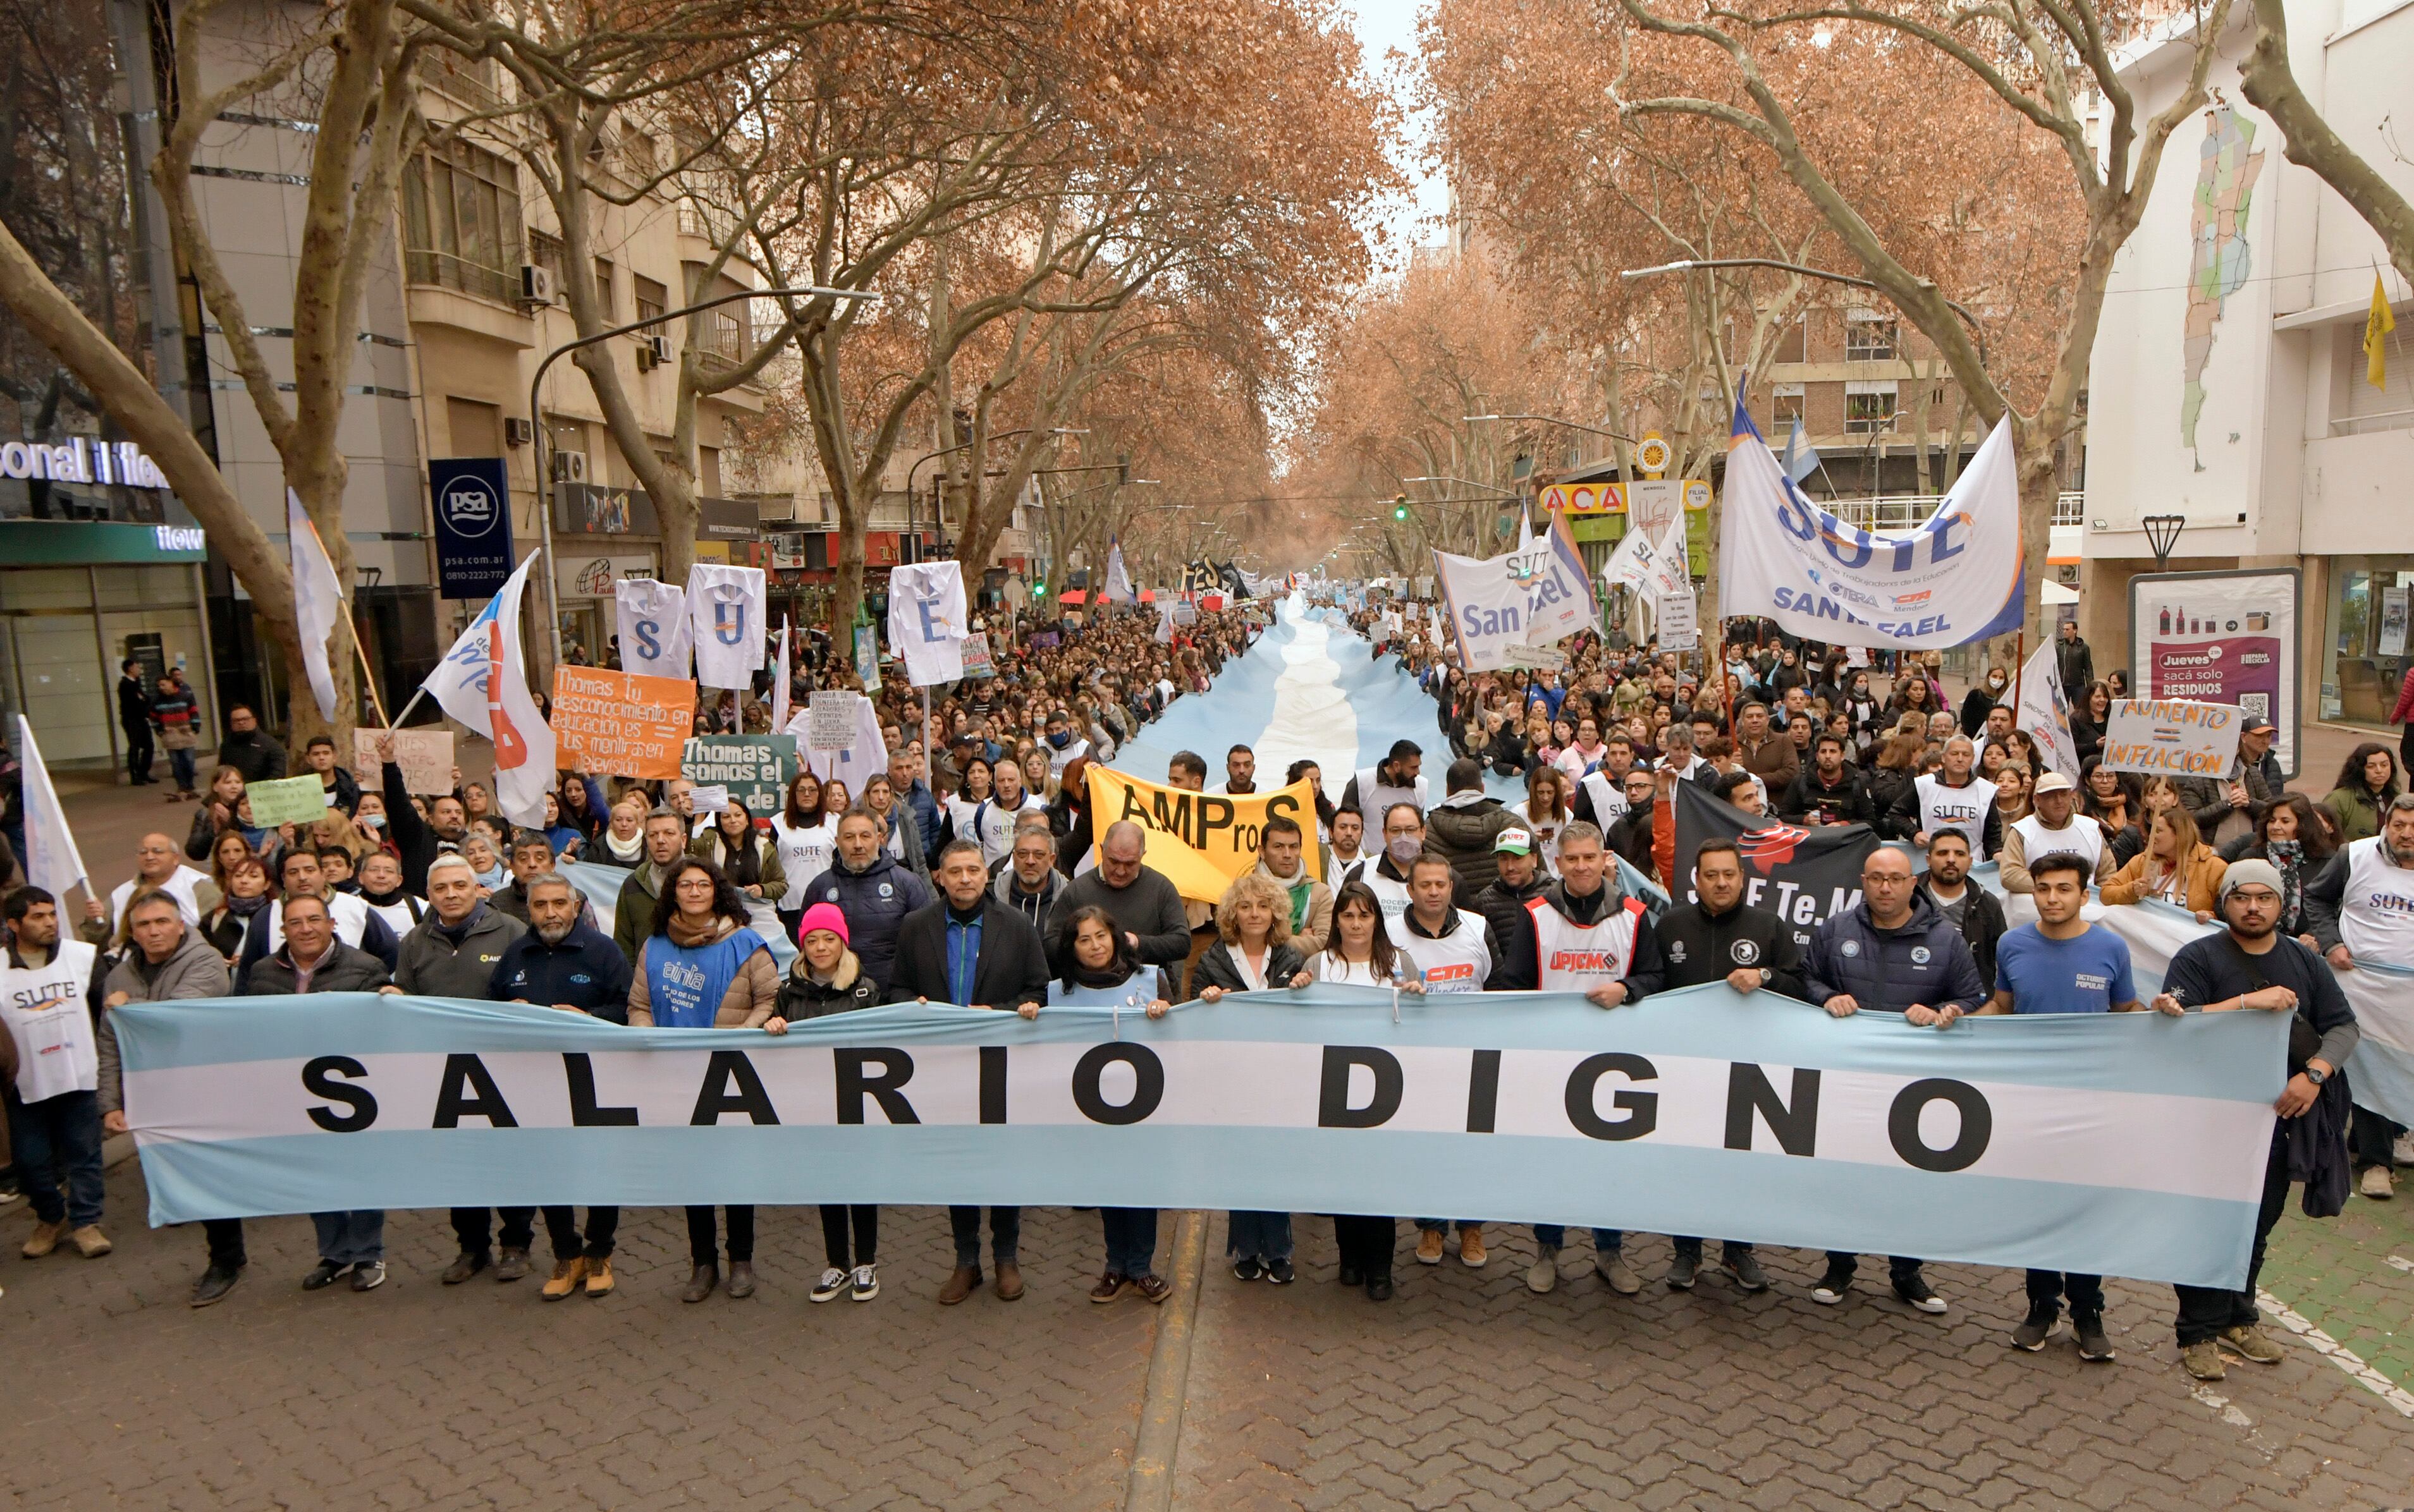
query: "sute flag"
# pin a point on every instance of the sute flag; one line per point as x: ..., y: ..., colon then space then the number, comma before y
x: 318, y: 601
x: 482, y: 683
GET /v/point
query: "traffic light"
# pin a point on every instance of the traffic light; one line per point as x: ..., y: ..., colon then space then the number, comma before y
x: 1400, y: 508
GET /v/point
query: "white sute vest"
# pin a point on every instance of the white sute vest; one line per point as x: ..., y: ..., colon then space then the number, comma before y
x: 2376, y: 915
x: 397, y: 916
x: 1609, y: 803
x: 55, y: 1050
x: 1376, y: 796
x: 805, y: 851
x: 1393, y: 895
x: 991, y: 824
x: 1575, y: 959
x: 1459, y: 961
x: 1963, y: 808
x: 179, y: 885
x: 1075, y: 747
x: 2082, y: 836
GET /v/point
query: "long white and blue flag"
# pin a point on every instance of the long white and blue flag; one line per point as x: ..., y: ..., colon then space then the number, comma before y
x: 2128, y: 1145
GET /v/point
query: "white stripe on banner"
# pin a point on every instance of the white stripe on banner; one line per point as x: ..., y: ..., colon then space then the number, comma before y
x: 2127, y: 1144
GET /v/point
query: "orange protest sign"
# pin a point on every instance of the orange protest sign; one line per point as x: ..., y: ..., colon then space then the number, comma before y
x: 623, y: 724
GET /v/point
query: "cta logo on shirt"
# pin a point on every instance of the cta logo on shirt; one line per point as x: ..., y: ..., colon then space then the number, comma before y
x: 1452, y: 972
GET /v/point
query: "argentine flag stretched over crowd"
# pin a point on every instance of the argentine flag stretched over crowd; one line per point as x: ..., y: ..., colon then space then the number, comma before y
x: 483, y: 682
x: 1957, y: 577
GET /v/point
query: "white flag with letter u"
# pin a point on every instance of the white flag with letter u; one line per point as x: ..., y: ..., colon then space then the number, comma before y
x: 727, y: 606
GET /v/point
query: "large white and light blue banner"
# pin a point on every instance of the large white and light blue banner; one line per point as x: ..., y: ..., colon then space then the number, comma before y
x: 2131, y: 1145
x: 1955, y: 579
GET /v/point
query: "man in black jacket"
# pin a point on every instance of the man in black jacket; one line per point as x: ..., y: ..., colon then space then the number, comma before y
x: 250, y: 750
x: 1520, y: 879
x: 1720, y: 939
x: 1830, y: 791
x: 134, y: 717
x: 2074, y: 661
x: 969, y: 948
x: 565, y: 962
x: 1463, y: 827
x: 1965, y: 905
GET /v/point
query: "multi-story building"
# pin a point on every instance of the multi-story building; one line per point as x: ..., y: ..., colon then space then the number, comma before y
x: 2229, y: 384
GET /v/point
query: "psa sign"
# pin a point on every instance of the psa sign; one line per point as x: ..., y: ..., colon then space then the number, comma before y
x: 471, y: 501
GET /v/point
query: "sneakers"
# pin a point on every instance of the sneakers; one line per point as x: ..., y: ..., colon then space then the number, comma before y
x: 1544, y: 1273
x: 566, y: 1276
x: 1613, y: 1268
x: 2247, y: 1341
x: 1429, y: 1246
x: 1681, y: 1271
x: 90, y: 1243
x: 464, y: 1266
x: 1471, y: 1252
x: 1281, y: 1272
x: 2380, y: 1183
x: 1916, y: 1293
x: 866, y: 1283
x: 2401, y: 1149
x: 512, y: 1265
x: 1744, y: 1271
x: 826, y: 1289
x: 2093, y: 1347
x: 214, y: 1283
x: 2202, y: 1360
x: 1110, y: 1287
x: 322, y: 1275
x: 599, y: 1276
x: 44, y: 1238
x: 1832, y: 1287
x: 2033, y: 1334
x: 1248, y: 1268
x: 368, y: 1275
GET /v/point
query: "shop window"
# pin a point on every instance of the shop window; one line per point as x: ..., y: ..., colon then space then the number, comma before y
x: 461, y: 211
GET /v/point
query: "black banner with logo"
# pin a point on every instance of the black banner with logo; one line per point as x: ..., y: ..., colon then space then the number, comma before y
x: 1801, y: 873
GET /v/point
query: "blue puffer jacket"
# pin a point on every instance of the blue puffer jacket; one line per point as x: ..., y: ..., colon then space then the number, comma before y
x: 1926, y: 961
x: 875, y: 901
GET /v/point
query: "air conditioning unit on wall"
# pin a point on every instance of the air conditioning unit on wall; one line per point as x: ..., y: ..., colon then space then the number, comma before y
x: 569, y: 466
x: 652, y: 352
x: 536, y: 284
x: 517, y: 431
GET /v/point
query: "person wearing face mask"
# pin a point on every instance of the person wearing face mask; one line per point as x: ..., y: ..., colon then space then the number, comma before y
x: 1063, y: 745
x: 1404, y: 841
x: 563, y: 961
x: 1982, y: 699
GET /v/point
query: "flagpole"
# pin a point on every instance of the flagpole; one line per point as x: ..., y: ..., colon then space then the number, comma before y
x: 368, y: 674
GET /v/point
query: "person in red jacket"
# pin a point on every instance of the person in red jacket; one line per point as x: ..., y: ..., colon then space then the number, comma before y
x: 2404, y: 714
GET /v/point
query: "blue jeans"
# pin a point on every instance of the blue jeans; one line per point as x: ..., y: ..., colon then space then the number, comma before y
x: 1004, y: 1234
x: 1263, y: 1236
x: 57, y: 1142
x: 1131, y: 1240
x: 1901, y: 1270
x: 351, y: 1238
x: 1604, y: 1240
x: 181, y: 762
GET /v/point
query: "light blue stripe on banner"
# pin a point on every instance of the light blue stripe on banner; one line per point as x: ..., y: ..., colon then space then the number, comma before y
x: 1768, y: 1198
x: 1235, y: 707
x: 2234, y: 1057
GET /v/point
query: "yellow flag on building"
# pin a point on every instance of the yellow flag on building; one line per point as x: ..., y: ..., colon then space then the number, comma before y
x: 2377, y: 326
x: 1201, y: 840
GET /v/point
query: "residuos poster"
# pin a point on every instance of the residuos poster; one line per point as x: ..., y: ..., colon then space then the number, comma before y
x: 2221, y: 638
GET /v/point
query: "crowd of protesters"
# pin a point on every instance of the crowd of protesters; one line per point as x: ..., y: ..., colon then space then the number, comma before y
x: 956, y: 876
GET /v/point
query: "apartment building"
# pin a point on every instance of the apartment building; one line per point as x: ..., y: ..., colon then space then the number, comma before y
x: 2231, y: 389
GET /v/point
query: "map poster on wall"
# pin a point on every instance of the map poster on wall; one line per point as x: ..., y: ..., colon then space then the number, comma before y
x: 2222, y: 638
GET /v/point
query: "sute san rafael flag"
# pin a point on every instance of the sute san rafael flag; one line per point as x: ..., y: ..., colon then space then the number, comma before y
x: 1956, y: 578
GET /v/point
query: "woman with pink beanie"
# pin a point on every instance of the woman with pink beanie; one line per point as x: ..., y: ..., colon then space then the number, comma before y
x: 824, y: 979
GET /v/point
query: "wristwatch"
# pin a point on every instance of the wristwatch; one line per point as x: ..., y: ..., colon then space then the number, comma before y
x: 2317, y: 1076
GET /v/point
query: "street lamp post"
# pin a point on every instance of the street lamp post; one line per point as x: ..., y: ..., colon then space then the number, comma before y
x: 536, y: 413
x: 938, y: 516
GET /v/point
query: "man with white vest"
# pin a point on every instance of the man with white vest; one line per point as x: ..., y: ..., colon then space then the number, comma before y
x: 156, y: 864
x: 2361, y: 909
x: 1396, y: 779
x: 1450, y: 949
x: 1600, y: 798
x: 53, y: 1057
x: 2054, y: 829
x: 1583, y: 935
x: 1953, y: 798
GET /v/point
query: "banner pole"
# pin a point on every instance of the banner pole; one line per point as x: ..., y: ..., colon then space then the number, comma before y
x: 396, y: 722
x: 2020, y: 670
x: 368, y: 674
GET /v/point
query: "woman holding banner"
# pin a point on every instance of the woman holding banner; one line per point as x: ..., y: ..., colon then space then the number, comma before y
x: 1103, y: 970
x: 1253, y: 952
x: 704, y: 966
x: 1360, y: 954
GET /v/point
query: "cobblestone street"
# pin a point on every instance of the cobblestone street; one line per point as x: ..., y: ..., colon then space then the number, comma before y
x: 1466, y: 1391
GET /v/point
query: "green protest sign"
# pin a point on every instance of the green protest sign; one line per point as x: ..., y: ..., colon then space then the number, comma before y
x: 756, y: 769
x: 288, y: 800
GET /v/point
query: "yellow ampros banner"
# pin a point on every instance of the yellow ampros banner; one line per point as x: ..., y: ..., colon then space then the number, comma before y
x: 1201, y: 840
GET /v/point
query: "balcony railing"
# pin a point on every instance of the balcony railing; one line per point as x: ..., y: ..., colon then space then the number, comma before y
x: 1904, y: 511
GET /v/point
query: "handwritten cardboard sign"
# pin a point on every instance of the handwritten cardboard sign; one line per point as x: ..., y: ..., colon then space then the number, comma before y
x: 622, y: 722
x: 425, y: 757
x: 2172, y: 737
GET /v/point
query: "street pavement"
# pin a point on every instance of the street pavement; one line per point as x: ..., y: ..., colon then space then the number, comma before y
x: 1466, y: 1390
